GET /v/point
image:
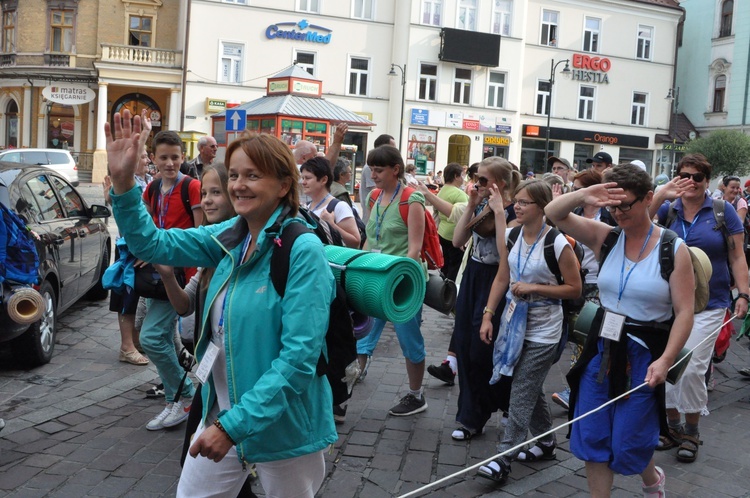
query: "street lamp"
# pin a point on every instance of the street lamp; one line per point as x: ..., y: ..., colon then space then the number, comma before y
x: 566, y: 70
x: 403, y: 94
x: 673, y: 95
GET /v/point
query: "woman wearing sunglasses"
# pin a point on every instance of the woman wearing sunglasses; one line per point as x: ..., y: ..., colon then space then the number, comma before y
x: 639, y: 306
x: 695, y: 222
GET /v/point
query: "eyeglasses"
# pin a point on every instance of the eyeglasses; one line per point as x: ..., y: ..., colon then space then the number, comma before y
x: 482, y: 181
x: 624, y: 208
x: 524, y: 203
x: 696, y: 177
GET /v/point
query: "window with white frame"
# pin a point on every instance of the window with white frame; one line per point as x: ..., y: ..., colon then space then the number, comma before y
x: 502, y: 11
x: 230, y: 62
x: 359, y: 70
x: 549, y: 28
x: 462, y: 86
x: 591, y: 31
x: 586, y: 103
x: 727, y: 11
x: 638, y: 112
x: 427, y: 82
x: 306, y: 60
x: 432, y: 12
x: 309, y: 6
x: 645, y: 37
x: 364, y: 9
x: 720, y: 88
x: 543, y: 90
x: 496, y: 90
x: 467, y: 15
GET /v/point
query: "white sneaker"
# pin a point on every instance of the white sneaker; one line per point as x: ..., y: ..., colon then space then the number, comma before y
x: 656, y: 490
x: 179, y: 412
x: 157, y: 423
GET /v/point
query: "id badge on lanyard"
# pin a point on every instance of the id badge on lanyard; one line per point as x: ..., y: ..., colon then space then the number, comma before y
x: 612, y: 325
x: 510, y: 310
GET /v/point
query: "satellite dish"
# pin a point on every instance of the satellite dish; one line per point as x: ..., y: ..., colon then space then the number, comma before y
x: 691, y: 135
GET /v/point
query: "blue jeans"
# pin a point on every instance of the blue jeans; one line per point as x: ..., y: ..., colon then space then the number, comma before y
x: 409, y: 338
x: 157, y: 342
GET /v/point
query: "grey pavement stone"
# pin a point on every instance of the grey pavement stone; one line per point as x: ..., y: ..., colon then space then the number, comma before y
x: 18, y: 476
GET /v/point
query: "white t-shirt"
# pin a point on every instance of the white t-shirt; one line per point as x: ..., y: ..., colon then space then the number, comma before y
x: 219, y: 368
x: 341, y: 211
x: 544, y: 323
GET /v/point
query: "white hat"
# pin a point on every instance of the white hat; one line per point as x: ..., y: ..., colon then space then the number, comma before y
x: 640, y: 164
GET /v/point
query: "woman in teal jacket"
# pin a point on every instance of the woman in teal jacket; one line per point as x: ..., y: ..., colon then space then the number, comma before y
x: 262, y: 399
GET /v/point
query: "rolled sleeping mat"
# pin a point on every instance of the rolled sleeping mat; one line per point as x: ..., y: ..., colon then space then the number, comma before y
x: 379, y: 285
x: 440, y: 294
x: 23, y: 304
x: 583, y: 325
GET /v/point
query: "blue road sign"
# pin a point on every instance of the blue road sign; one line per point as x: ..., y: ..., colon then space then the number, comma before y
x: 236, y: 120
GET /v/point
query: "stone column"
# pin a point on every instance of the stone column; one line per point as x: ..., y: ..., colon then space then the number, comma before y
x: 99, y: 170
x: 175, y: 102
x: 26, y: 120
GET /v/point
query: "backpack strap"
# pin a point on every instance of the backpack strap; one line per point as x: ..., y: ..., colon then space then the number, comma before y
x: 374, y: 194
x: 153, y: 190
x: 332, y: 205
x: 403, y: 205
x: 549, y: 254
x: 513, y: 237
x: 608, y: 244
x: 666, y: 253
x: 719, y: 206
x: 281, y: 254
x: 185, y: 194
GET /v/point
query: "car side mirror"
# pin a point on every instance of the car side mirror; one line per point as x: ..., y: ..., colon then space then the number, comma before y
x: 99, y: 211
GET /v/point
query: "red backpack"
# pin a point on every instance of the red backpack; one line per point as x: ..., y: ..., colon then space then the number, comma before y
x: 432, y: 253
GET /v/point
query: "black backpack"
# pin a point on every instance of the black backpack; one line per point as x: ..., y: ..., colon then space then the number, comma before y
x: 666, y: 250
x: 340, y: 341
x: 361, y: 227
x: 155, y: 186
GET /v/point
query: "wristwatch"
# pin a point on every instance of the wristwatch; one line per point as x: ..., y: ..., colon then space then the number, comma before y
x: 491, y: 311
x: 743, y: 296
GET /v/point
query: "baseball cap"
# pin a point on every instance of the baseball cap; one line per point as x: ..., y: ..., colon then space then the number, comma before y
x: 554, y: 159
x: 747, y: 184
x: 600, y: 157
x: 529, y: 174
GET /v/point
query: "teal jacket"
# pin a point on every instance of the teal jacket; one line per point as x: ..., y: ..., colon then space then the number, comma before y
x: 280, y: 408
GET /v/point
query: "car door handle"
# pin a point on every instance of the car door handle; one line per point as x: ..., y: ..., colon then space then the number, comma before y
x: 58, y: 242
x: 82, y: 234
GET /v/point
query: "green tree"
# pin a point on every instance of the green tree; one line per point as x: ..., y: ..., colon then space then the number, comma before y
x: 727, y: 151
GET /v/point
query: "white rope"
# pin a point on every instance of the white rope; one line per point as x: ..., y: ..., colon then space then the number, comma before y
x: 552, y: 431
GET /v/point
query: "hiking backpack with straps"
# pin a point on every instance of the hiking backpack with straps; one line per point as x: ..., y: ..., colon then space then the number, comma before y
x: 361, y: 228
x: 666, y: 250
x: 154, y: 188
x: 431, y: 251
x: 340, y: 341
x: 721, y: 223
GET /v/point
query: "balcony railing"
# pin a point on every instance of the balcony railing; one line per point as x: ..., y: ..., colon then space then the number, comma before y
x: 57, y: 60
x: 7, y: 60
x: 142, y: 56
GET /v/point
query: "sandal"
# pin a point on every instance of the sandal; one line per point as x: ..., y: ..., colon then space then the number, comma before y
x: 668, y: 442
x: 688, y: 450
x: 155, y: 391
x: 496, y: 471
x: 538, y: 452
x: 133, y: 357
x: 464, y: 434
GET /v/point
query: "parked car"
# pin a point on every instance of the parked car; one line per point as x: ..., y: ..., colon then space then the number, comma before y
x: 59, y: 160
x: 74, y: 247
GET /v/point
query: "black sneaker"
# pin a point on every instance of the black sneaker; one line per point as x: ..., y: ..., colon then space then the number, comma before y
x: 339, y: 414
x: 155, y: 391
x: 409, y: 405
x: 443, y: 372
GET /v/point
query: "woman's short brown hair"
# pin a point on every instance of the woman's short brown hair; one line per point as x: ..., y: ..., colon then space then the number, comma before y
x: 272, y: 157
x: 539, y: 191
x: 697, y: 161
x: 588, y: 177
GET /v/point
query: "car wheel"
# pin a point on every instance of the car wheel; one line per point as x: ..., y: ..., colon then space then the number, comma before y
x: 36, y: 345
x: 98, y: 292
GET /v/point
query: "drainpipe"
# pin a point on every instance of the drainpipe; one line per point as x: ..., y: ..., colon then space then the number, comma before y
x: 747, y: 83
x: 184, y: 64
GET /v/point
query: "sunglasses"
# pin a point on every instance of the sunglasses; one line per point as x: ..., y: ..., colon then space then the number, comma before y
x: 624, y: 208
x: 696, y: 177
x: 482, y: 181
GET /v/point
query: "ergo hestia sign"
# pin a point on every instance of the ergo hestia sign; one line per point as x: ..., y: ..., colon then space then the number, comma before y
x: 280, y: 31
x: 592, y: 69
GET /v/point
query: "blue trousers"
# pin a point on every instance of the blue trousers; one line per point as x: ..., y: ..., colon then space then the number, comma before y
x: 409, y: 338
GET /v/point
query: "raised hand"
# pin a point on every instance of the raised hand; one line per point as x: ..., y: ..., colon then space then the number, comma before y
x: 675, y: 188
x: 603, y: 194
x: 496, y: 201
x: 124, y: 149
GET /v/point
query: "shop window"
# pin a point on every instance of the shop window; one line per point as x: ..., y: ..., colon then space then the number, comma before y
x: 549, y: 28
x: 496, y: 90
x: 62, y: 32
x: 268, y: 126
x: 720, y: 86
x: 306, y: 60
x: 533, y: 155
x: 502, y: 15
x: 291, y: 131
x: 230, y: 62
x: 421, y: 150
x: 462, y: 86
x: 645, y: 37
x: 628, y: 155
x: 312, y: 6
x: 60, y: 127
x: 11, y: 124
x: 543, y: 90
x: 427, y: 82
x: 467, y: 15
x: 359, y: 70
x: 586, y: 103
x: 140, y: 33
x: 432, y: 12
x: 727, y: 11
x: 364, y: 9
x: 591, y: 32
x: 638, y: 112
x: 9, y: 32
x: 581, y: 152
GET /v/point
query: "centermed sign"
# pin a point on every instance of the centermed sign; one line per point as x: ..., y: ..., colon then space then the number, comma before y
x: 280, y: 31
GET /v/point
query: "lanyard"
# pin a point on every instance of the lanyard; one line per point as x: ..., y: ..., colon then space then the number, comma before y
x: 638, y: 260
x: 378, y: 217
x: 163, y: 205
x: 245, y: 247
x: 319, y: 204
x: 530, y: 252
x: 686, y: 232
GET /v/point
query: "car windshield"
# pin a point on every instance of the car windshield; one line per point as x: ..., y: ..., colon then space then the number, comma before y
x: 58, y: 158
x: 34, y: 157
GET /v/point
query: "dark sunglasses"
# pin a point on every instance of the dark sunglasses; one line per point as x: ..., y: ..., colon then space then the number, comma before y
x: 696, y: 177
x: 482, y: 181
x: 624, y: 208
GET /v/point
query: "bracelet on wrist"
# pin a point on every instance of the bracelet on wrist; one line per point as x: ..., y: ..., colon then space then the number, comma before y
x: 744, y: 296
x: 218, y: 425
x: 488, y: 310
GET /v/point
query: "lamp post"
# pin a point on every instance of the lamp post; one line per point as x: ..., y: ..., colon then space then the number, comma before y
x: 565, y: 70
x: 403, y: 94
x: 673, y: 95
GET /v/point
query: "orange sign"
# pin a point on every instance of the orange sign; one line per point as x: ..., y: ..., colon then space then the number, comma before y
x: 532, y: 131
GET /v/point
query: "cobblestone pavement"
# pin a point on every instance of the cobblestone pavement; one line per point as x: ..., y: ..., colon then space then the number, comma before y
x: 75, y: 427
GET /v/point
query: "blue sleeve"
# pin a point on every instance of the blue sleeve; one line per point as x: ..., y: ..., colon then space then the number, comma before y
x: 175, y: 247
x: 661, y: 214
x: 732, y: 219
